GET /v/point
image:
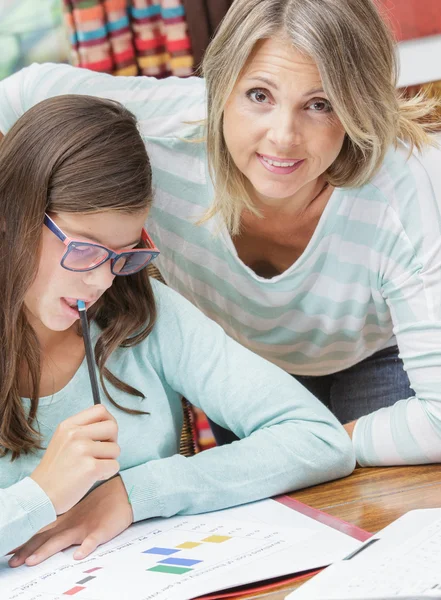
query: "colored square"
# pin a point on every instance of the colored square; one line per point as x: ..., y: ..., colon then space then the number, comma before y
x: 189, y: 545
x: 92, y: 570
x: 74, y: 590
x: 86, y: 579
x: 179, y: 562
x: 169, y: 570
x: 161, y: 551
x: 216, y: 539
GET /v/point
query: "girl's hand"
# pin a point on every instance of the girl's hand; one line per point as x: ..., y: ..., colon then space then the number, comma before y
x: 101, y: 516
x: 82, y: 451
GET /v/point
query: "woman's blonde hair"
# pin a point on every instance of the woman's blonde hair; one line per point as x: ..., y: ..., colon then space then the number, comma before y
x: 355, y: 54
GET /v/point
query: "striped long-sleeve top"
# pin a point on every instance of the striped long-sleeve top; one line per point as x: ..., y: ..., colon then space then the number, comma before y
x: 369, y: 277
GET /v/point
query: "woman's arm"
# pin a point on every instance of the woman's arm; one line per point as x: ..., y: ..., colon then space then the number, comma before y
x: 289, y: 440
x: 408, y: 251
x: 160, y: 105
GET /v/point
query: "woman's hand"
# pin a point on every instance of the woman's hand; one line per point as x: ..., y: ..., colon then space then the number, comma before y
x: 82, y: 451
x: 101, y: 516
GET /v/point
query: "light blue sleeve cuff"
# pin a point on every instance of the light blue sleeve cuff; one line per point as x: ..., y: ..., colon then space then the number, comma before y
x: 34, y: 503
x: 142, y: 493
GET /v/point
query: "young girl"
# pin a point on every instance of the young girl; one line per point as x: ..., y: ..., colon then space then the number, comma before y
x: 75, y: 188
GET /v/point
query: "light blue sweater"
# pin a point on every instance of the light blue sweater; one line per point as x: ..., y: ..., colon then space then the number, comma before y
x: 289, y: 439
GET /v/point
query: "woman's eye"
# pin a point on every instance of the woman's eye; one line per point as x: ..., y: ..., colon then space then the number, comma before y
x: 258, y: 96
x: 320, y: 106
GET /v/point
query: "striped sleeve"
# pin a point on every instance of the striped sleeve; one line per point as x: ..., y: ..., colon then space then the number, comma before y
x: 161, y: 106
x: 409, y: 268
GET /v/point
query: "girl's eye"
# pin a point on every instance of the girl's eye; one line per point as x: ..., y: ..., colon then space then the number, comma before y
x: 258, y: 96
x: 84, y: 251
x: 320, y: 105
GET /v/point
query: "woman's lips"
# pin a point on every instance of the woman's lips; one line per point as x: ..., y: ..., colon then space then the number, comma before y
x: 280, y: 166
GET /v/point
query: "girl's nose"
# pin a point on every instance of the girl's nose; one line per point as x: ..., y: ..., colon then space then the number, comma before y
x: 100, y: 278
x: 285, y: 132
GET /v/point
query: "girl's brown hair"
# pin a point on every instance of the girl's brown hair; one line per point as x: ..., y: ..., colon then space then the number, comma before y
x: 355, y: 55
x: 74, y: 154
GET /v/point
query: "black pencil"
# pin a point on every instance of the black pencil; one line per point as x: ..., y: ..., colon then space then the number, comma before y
x: 89, y: 352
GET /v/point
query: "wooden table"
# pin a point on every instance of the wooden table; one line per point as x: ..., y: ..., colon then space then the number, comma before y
x: 371, y: 499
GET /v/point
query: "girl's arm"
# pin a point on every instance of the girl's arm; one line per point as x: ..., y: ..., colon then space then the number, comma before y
x: 82, y: 451
x: 24, y: 510
x: 289, y: 440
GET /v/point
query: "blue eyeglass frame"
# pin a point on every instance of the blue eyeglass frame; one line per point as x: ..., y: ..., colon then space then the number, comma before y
x: 112, y: 255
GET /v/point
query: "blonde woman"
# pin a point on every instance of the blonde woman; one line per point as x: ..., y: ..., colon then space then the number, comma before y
x: 289, y: 208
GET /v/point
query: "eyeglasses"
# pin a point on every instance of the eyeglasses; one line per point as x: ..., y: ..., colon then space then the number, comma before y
x: 86, y: 256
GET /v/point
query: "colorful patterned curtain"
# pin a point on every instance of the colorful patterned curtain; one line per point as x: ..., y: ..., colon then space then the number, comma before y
x: 130, y: 37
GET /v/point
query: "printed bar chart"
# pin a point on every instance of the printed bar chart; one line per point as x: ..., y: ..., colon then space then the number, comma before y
x: 177, y: 565
x: 168, y: 559
x: 168, y: 562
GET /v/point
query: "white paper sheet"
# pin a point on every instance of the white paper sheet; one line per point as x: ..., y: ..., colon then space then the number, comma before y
x: 401, y: 561
x: 258, y: 541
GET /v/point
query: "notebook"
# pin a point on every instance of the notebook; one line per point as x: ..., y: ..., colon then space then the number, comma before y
x: 402, y: 561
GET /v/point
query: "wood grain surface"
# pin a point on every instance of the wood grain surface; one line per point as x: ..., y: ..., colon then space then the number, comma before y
x: 371, y: 499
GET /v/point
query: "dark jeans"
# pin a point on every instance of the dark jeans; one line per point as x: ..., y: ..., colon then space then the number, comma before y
x: 375, y: 382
